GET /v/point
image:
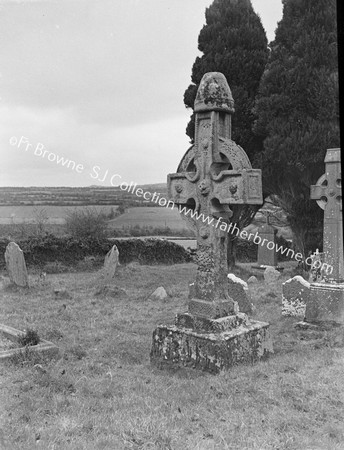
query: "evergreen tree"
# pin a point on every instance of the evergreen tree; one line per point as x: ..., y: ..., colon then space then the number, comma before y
x: 233, y: 42
x: 297, y: 112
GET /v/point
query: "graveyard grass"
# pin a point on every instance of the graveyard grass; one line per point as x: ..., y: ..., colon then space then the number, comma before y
x: 102, y: 392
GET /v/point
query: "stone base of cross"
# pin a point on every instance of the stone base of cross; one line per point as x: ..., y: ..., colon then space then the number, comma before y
x: 214, y: 174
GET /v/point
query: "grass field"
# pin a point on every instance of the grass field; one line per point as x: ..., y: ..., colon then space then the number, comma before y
x: 145, y: 217
x: 102, y: 393
x: 150, y: 216
x: 55, y: 214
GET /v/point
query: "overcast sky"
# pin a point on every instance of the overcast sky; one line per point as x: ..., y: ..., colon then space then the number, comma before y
x: 100, y: 83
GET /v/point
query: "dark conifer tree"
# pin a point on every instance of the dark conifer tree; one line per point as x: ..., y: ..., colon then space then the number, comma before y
x: 297, y: 112
x: 233, y: 42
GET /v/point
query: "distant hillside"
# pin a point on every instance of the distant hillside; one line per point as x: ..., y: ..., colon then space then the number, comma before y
x: 77, y: 196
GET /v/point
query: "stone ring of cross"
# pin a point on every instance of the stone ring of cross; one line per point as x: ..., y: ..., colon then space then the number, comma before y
x: 323, y: 200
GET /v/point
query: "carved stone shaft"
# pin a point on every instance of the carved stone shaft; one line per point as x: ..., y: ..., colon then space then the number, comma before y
x: 214, y: 174
x: 328, y: 194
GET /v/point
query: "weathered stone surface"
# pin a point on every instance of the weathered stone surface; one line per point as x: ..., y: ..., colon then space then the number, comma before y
x: 271, y: 275
x: 328, y: 194
x: 214, y: 94
x: 214, y: 174
x: 158, y: 294
x: 110, y: 265
x: 325, y: 303
x: 213, y: 310
x: 107, y: 274
x: 252, y: 280
x: 212, y: 352
x: 267, y: 256
x: 295, y: 295
x: 15, y: 265
x: 326, y: 298
x: 315, y: 272
x: 205, y: 324
x: 238, y: 289
x: 203, y: 182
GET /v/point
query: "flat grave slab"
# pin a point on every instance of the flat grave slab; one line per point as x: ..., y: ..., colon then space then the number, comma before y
x: 9, y: 344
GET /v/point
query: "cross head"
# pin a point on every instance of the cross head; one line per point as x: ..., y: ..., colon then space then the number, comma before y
x: 213, y: 174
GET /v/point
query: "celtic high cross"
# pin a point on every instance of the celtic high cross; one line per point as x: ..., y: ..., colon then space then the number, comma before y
x: 213, y: 174
x: 328, y: 194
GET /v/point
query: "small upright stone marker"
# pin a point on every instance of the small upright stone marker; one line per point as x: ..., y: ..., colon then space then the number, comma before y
x: 238, y: 290
x: 213, y: 174
x: 326, y: 300
x: 267, y: 255
x: 108, y: 272
x: 15, y: 265
x: 252, y: 280
x: 110, y: 265
x: 271, y: 275
x: 295, y: 294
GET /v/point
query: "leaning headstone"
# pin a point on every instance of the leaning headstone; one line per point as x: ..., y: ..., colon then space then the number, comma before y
x: 158, y: 294
x: 295, y: 294
x: 326, y: 299
x: 110, y: 264
x: 271, y: 275
x: 107, y: 274
x: 238, y: 290
x: 212, y: 335
x: 15, y: 265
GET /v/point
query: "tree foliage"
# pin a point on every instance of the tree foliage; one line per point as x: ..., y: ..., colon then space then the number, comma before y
x: 233, y: 42
x: 87, y: 222
x: 298, y: 112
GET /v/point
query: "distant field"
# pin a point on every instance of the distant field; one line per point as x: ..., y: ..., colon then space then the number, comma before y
x: 149, y: 216
x: 27, y: 213
x: 159, y: 217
